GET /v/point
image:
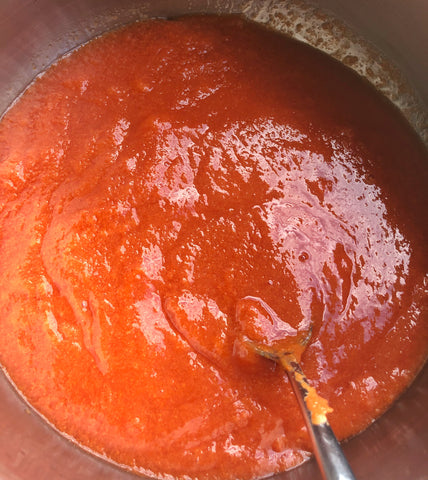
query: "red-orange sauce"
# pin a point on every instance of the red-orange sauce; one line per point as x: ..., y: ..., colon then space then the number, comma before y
x: 261, y: 332
x: 203, y: 160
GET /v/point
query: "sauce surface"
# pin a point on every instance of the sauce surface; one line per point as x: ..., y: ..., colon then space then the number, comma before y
x: 173, y: 168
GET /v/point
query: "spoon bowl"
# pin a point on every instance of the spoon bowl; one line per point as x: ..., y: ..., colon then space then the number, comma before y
x: 205, y: 328
x: 266, y: 334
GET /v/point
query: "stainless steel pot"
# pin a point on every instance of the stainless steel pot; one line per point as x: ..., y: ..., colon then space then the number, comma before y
x: 33, y: 33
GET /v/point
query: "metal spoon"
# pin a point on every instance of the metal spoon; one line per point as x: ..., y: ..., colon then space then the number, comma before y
x: 267, y: 335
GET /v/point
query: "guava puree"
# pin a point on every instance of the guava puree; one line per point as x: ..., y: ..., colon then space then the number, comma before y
x: 202, y: 160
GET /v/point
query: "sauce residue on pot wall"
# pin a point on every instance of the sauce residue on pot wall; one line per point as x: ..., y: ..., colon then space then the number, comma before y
x: 203, y: 160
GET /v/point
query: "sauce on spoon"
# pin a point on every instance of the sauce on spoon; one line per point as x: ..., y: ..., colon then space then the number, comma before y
x: 266, y: 334
x: 270, y: 337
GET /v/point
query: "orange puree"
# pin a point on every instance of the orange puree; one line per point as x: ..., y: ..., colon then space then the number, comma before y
x: 317, y: 406
x: 261, y: 332
x: 184, y: 165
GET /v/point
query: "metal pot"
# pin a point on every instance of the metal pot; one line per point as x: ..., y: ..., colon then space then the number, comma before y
x: 33, y: 33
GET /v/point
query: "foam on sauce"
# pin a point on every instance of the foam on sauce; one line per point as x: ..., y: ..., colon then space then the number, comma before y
x: 178, y: 166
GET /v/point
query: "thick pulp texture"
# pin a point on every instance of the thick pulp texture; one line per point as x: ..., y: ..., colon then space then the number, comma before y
x: 169, y: 169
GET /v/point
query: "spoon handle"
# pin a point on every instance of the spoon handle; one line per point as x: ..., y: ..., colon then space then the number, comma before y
x: 327, y: 450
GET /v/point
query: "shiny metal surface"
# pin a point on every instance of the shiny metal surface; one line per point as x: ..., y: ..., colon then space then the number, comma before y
x: 33, y: 33
x: 330, y: 457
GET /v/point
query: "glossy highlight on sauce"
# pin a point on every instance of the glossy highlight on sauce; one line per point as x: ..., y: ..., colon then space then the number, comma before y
x: 173, y: 168
x: 259, y: 324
